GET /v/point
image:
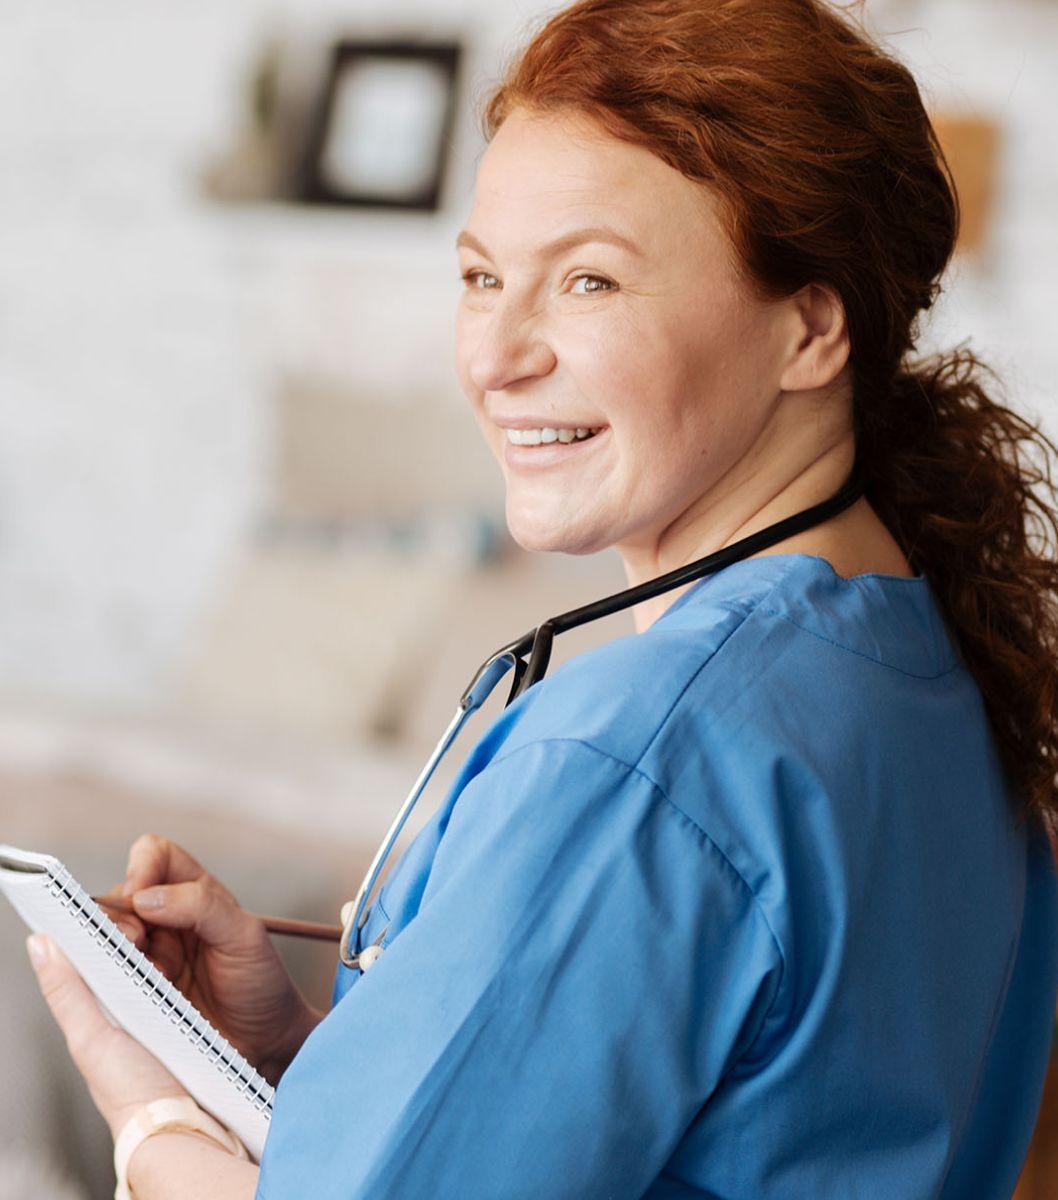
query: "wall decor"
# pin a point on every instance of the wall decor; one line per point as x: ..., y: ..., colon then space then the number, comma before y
x: 381, y: 131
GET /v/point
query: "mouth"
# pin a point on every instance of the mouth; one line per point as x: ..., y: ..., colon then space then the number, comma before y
x: 547, y: 435
x: 536, y: 448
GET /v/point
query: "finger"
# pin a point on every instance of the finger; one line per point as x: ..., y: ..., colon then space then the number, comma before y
x: 154, y: 860
x: 72, y: 1004
x: 129, y: 924
x: 203, y: 906
x: 166, y: 950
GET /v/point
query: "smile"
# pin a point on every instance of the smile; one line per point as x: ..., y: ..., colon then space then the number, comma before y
x: 546, y: 435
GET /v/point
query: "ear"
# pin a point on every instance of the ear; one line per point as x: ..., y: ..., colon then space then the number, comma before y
x: 820, y: 348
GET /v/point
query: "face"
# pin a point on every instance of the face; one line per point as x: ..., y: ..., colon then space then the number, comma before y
x: 602, y: 296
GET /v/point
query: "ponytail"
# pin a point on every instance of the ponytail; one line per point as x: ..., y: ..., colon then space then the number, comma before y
x: 964, y: 484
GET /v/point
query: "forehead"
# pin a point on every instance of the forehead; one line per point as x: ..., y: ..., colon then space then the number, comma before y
x: 544, y: 172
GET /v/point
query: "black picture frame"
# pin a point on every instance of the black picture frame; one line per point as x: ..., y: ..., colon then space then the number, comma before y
x: 381, y: 131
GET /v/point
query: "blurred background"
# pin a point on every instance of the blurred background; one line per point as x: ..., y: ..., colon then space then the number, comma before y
x: 250, y: 546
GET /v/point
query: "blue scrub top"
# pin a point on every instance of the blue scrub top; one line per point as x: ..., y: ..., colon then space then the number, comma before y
x: 732, y: 908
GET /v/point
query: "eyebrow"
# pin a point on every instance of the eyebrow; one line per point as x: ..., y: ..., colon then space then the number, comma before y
x: 566, y: 241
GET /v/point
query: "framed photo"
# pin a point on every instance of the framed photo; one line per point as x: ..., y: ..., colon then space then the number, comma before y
x: 381, y: 132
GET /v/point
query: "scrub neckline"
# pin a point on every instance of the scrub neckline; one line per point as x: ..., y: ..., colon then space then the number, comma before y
x: 874, y: 614
x: 881, y: 577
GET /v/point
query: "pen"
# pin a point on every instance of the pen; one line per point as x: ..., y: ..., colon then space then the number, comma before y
x: 283, y: 925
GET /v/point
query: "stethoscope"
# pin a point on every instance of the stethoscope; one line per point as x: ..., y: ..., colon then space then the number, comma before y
x: 537, y: 646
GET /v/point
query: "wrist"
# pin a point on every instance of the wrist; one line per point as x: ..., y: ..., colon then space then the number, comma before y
x: 118, y: 1118
x: 180, y: 1115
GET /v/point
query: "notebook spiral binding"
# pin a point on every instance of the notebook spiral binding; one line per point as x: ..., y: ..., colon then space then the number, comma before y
x: 200, y: 1032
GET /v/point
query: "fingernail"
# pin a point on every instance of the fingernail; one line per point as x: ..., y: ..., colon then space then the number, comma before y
x: 128, y: 887
x: 151, y: 898
x: 37, y: 945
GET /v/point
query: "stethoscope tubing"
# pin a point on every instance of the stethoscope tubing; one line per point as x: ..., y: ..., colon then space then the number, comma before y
x: 352, y: 911
x: 537, y: 644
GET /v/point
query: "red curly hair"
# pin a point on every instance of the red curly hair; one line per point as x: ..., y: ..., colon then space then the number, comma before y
x: 828, y: 171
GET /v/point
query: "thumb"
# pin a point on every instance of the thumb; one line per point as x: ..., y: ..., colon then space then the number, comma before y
x: 72, y: 1004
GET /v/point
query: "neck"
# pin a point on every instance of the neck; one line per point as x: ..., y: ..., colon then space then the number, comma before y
x: 748, y: 498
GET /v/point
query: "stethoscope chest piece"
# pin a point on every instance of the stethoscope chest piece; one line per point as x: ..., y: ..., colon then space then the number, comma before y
x: 370, y: 954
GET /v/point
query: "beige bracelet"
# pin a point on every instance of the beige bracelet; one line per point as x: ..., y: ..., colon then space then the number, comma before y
x: 174, y: 1115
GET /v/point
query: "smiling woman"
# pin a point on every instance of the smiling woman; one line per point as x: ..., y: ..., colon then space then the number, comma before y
x: 653, y: 354
x: 756, y: 903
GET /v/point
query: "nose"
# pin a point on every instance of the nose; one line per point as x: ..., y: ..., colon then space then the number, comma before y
x: 512, y: 347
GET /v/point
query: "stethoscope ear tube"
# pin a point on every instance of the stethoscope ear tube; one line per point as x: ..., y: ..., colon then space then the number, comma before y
x: 488, y: 675
x: 539, y: 657
x: 520, y: 668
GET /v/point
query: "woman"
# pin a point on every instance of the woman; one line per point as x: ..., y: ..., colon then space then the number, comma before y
x: 757, y: 901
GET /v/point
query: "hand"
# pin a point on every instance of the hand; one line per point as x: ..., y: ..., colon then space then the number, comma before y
x: 120, y: 1073
x: 218, y: 955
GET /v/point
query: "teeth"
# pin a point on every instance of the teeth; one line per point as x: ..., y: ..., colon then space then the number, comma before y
x: 546, y: 435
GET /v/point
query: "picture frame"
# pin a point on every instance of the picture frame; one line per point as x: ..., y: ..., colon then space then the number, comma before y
x: 381, y: 131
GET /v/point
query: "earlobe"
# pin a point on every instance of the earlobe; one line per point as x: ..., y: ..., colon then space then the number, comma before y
x: 822, y: 348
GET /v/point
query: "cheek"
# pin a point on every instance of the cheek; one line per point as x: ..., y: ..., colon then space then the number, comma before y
x: 608, y: 363
x: 681, y: 396
x: 692, y: 379
x: 652, y: 378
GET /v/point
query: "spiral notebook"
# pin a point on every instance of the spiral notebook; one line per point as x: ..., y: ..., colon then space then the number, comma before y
x: 137, y: 995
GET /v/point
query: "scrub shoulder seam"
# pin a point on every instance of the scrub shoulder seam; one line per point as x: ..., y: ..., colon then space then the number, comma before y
x: 703, y: 833
x: 859, y: 653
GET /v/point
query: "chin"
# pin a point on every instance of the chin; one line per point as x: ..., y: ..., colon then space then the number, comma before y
x: 554, y: 536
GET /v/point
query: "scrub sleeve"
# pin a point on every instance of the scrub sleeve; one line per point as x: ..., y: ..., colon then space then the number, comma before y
x: 582, y: 968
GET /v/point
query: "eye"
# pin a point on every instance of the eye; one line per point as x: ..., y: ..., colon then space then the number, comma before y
x: 480, y: 280
x: 589, y: 280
